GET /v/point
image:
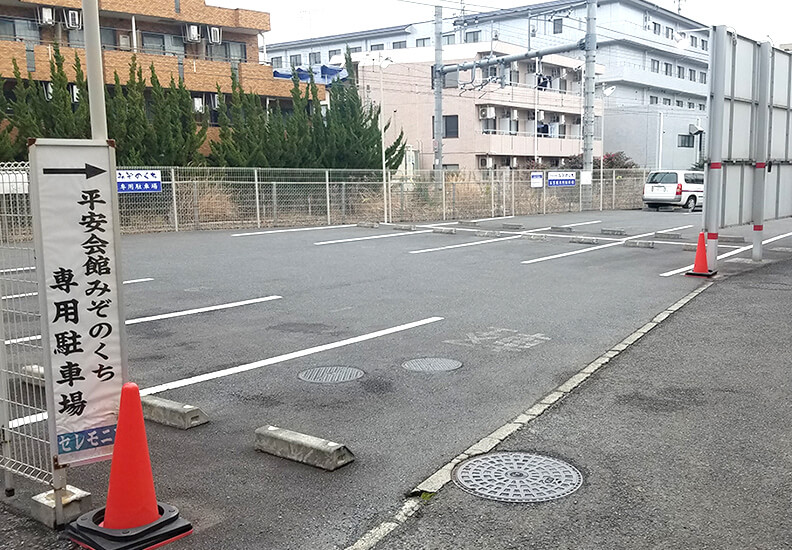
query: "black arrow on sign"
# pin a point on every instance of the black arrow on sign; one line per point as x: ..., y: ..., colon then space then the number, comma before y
x: 89, y: 171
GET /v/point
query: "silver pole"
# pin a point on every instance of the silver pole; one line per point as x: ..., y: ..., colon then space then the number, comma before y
x: 762, y: 135
x: 660, y: 131
x: 613, y: 188
x: 327, y: 194
x: 258, y: 201
x: 602, y: 152
x: 438, y: 93
x: 173, y: 196
x: 713, y: 179
x: 492, y: 192
x: 93, y: 68
x: 588, y: 100
x: 442, y: 176
x: 382, y: 147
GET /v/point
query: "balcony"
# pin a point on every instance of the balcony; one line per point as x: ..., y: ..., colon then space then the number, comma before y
x: 527, y: 97
x: 522, y: 144
x: 643, y: 77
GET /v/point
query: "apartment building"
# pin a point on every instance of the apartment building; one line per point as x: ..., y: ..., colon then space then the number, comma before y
x: 656, y: 61
x: 184, y: 39
x: 498, y: 117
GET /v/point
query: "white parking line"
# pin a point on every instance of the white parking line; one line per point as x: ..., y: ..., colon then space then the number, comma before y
x: 293, y: 230
x: 726, y: 255
x: 17, y: 422
x: 372, y: 237
x: 28, y: 294
x: 286, y: 357
x: 599, y: 247
x: 581, y: 223
x: 167, y: 315
x: 495, y: 218
x: 473, y: 243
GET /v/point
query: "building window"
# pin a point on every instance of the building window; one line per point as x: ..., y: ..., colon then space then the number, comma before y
x: 668, y: 68
x: 652, y: 100
x: 680, y: 103
x: 558, y: 26
x: 691, y: 105
x: 153, y: 43
x: 450, y: 126
x: 681, y: 72
x: 702, y: 77
x: 295, y: 60
x: 692, y: 74
x: 658, y: 28
x: 332, y: 53
x: 704, y: 45
x: 449, y: 39
x: 377, y: 47
x: 666, y: 101
x: 670, y: 33
x: 400, y: 45
x: 694, y: 41
x: 655, y: 66
x: 702, y: 106
x: 315, y: 58
x: 277, y: 62
x: 356, y: 49
x: 686, y: 140
x: 422, y: 42
x: 473, y: 36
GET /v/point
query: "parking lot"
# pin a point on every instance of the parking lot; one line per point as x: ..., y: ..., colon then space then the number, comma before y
x: 227, y: 320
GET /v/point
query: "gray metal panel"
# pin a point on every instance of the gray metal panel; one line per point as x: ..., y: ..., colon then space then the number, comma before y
x: 731, y: 194
x: 784, y: 190
x: 778, y: 121
x: 745, y: 68
x: 741, y: 131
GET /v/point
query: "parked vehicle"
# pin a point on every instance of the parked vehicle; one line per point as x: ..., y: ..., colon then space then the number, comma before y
x: 674, y: 187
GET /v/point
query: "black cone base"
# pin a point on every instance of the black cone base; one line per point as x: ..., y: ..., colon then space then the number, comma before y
x: 86, y: 532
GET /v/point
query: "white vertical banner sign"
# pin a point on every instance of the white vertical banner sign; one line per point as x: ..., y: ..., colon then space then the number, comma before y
x: 75, y: 211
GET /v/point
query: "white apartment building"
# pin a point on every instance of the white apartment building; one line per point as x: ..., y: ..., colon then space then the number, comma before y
x: 655, y: 59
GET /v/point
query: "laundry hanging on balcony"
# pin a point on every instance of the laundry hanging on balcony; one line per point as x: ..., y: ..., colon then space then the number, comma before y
x: 323, y: 74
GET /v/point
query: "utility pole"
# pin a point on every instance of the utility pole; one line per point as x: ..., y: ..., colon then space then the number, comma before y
x: 438, y: 78
x: 588, y: 99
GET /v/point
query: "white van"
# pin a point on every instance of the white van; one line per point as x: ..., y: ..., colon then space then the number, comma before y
x: 674, y: 187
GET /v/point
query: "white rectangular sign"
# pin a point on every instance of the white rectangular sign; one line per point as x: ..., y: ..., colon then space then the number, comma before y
x: 537, y: 179
x: 73, y: 193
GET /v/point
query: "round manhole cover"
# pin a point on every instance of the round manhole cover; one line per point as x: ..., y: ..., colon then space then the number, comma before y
x: 432, y: 364
x: 517, y: 477
x: 330, y: 375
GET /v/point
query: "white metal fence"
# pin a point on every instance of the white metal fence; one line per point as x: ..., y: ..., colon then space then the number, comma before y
x: 224, y: 198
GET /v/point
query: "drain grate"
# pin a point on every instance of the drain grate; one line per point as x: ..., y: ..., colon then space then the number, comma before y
x: 330, y: 375
x: 432, y: 364
x: 517, y: 477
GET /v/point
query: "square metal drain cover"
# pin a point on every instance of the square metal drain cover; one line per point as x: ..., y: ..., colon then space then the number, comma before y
x: 517, y: 477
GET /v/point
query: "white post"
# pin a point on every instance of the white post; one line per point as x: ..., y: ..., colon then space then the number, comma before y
x: 382, y: 147
x: 613, y: 190
x: 660, y: 131
x: 93, y: 67
x: 492, y: 192
x: 762, y: 131
x: 327, y: 194
x: 544, y: 192
x: 512, y: 193
x: 173, y: 195
x: 134, y: 35
x: 258, y: 201
x: 602, y: 152
x: 442, y: 180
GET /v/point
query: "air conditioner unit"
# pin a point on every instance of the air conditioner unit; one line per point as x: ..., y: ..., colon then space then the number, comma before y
x: 46, y: 16
x: 577, y: 76
x: 490, y: 112
x: 514, y: 162
x: 192, y: 33
x: 485, y: 162
x: 215, y: 35
x: 486, y: 112
x: 564, y: 73
x: 515, y: 115
x: 124, y: 41
x: 72, y: 19
x: 198, y: 104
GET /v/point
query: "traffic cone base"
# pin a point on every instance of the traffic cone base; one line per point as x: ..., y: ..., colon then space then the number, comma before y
x: 700, y: 265
x: 133, y: 518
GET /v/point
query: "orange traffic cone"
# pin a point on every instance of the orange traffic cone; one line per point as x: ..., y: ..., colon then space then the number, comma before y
x: 132, y: 519
x: 700, y: 265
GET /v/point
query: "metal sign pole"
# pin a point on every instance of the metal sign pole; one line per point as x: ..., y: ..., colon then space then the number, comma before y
x: 93, y: 68
x: 762, y: 138
x: 713, y: 180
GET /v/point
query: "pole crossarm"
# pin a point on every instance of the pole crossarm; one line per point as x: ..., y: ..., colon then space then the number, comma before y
x: 502, y: 60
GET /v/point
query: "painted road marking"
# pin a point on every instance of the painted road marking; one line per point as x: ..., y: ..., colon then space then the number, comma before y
x: 474, y: 243
x: 598, y: 247
x: 581, y: 223
x: 28, y: 294
x: 286, y: 357
x: 293, y: 230
x: 727, y: 255
x: 495, y: 218
x: 168, y: 315
x: 372, y: 237
x: 18, y: 269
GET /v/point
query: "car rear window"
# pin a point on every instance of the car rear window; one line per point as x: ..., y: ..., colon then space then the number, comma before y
x: 663, y: 177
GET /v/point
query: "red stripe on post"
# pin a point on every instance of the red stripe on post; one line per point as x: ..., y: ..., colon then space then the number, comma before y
x: 715, y: 166
x: 713, y: 236
x: 758, y: 227
x: 761, y: 164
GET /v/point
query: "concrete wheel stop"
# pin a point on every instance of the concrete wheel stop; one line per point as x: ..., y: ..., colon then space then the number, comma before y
x: 299, y: 447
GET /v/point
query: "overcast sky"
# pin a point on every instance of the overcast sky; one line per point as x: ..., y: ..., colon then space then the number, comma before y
x: 306, y: 18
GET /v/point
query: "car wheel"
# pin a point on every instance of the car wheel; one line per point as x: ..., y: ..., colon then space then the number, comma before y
x: 690, y: 204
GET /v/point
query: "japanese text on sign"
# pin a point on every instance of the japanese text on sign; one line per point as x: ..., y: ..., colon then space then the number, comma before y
x: 560, y: 179
x: 139, y: 181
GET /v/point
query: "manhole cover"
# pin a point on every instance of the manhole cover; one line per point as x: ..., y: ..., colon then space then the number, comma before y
x: 517, y: 477
x: 330, y: 375
x: 432, y: 364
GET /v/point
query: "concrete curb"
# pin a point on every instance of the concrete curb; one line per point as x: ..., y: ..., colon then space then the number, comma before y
x: 445, y: 230
x: 731, y: 239
x: 488, y: 234
x: 639, y: 244
x: 514, y: 226
x: 370, y: 225
x: 584, y: 240
x: 467, y: 223
x: 171, y: 413
x: 665, y: 235
x: 560, y: 229
x: 404, y: 227
x: 616, y: 231
x: 307, y: 449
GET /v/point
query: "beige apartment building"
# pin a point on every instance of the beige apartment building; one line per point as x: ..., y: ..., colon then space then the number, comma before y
x: 520, y: 116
